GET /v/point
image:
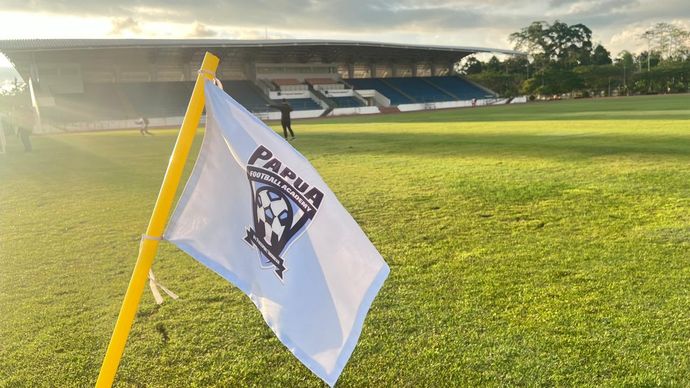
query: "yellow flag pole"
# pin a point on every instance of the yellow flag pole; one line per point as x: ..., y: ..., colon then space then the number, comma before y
x: 161, y: 212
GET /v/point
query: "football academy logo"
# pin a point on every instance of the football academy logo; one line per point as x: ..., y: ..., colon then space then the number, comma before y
x: 283, y: 204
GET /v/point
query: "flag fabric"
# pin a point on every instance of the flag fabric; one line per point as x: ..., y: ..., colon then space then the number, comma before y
x: 258, y: 214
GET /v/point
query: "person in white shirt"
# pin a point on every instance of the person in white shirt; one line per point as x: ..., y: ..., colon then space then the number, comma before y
x: 144, y: 126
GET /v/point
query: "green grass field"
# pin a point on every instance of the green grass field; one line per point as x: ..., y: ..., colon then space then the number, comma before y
x: 539, y: 244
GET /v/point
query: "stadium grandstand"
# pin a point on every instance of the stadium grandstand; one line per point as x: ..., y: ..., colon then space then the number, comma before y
x: 78, y: 84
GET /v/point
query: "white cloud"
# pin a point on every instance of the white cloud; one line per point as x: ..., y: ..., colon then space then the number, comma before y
x: 32, y: 25
x: 124, y: 26
x: 202, y: 31
x: 629, y: 38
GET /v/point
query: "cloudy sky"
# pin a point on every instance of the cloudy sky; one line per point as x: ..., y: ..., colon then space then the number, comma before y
x: 616, y: 23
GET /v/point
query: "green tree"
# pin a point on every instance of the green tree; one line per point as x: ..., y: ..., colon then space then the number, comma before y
x: 553, y: 81
x: 669, y: 40
x: 648, y: 59
x: 532, y: 39
x: 626, y: 63
x: 14, y: 95
x: 601, y: 56
x: 600, y: 79
x: 494, y: 65
x: 504, y: 77
x: 562, y: 60
x: 472, y: 66
x: 567, y: 46
x: 517, y: 65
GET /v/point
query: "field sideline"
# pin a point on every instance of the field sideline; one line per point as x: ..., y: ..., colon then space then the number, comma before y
x: 538, y: 244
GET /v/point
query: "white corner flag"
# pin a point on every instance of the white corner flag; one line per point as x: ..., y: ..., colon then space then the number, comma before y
x: 258, y: 214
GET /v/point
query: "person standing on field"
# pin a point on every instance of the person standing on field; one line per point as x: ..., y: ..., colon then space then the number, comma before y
x: 24, y: 122
x: 285, y: 110
x: 144, y: 126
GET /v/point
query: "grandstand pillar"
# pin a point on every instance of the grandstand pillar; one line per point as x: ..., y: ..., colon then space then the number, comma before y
x: 414, y: 69
x: 451, y: 68
x: 250, y: 70
x: 33, y: 71
x: 372, y: 70
x: 33, y: 76
x: 350, y: 70
x: 38, y: 124
x: 394, y: 70
x: 434, y: 69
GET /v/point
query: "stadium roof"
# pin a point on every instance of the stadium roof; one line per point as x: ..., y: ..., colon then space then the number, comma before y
x: 23, y: 52
x: 70, y: 44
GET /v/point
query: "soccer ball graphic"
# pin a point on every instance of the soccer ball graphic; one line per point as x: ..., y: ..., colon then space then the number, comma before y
x: 274, y: 216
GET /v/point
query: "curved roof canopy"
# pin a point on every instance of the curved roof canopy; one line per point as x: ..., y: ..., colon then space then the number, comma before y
x: 167, y: 51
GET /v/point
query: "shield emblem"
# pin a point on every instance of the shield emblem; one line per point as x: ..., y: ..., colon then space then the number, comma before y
x: 280, y: 214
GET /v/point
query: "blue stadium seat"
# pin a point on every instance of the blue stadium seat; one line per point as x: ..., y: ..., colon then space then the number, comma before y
x: 112, y: 101
x: 247, y: 94
x: 158, y: 99
x: 301, y: 104
x: 460, y: 87
x: 375, y: 83
x: 419, y: 89
x: 347, y: 102
x: 98, y: 102
x: 422, y: 89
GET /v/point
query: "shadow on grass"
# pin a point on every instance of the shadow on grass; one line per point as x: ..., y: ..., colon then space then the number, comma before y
x: 97, y: 160
x: 471, y: 144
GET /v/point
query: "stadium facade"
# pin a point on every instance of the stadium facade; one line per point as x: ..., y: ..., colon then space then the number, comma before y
x: 110, y: 83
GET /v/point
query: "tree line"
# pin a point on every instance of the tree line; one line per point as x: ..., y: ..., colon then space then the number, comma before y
x: 561, y: 59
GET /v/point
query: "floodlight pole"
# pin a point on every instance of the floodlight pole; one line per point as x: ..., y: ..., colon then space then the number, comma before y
x: 161, y: 212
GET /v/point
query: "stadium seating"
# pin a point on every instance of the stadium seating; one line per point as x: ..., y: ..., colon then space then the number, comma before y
x: 320, y: 81
x: 266, y: 85
x: 287, y: 81
x: 98, y: 102
x: 346, y: 102
x: 376, y: 83
x: 422, y: 89
x: 324, y: 83
x: 301, y: 104
x: 113, y: 101
x: 419, y: 89
x: 116, y: 101
x: 247, y: 94
x: 289, y: 84
x: 157, y: 99
x: 461, y: 88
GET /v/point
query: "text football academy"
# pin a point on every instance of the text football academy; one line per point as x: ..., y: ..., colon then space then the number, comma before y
x: 284, y: 205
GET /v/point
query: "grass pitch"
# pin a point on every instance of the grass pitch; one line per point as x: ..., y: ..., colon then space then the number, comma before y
x: 540, y: 244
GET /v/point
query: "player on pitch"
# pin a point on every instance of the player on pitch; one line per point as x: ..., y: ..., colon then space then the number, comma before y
x: 285, y: 110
